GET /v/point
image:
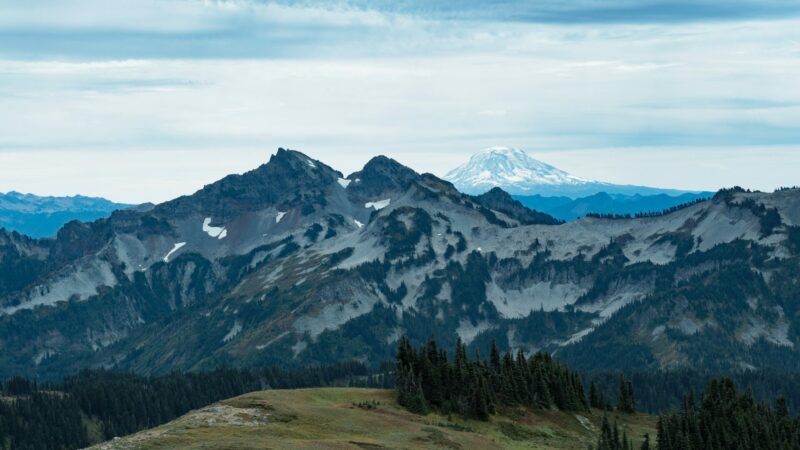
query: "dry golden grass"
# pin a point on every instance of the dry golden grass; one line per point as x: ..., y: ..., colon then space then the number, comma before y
x: 327, y: 418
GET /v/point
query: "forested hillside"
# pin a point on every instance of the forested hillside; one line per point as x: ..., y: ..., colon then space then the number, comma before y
x: 93, y: 406
x: 501, y: 389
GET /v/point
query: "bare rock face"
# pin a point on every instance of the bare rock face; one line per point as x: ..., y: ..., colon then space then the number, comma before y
x: 292, y: 263
x: 289, y: 178
x: 380, y: 178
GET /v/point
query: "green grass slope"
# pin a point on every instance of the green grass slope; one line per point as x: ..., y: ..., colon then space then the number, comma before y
x: 330, y: 418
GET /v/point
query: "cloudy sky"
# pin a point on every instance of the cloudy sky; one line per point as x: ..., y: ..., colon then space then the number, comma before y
x: 143, y: 100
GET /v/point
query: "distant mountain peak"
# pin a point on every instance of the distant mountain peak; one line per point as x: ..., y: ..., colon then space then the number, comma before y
x: 511, y: 169
x: 516, y: 172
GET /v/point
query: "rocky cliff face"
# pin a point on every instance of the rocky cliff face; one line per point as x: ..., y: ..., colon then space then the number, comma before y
x: 292, y: 263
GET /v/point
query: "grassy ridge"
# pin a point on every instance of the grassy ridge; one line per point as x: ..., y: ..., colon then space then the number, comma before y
x: 331, y: 418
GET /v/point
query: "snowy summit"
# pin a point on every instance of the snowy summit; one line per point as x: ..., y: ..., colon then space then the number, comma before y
x: 517, y: 173
x: 511, y: 169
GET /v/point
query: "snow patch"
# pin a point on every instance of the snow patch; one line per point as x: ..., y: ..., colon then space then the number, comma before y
x: 358, y: 224
x: 468, y: 332
x: 577, y: 337
x: 271, y: 341
x: 394, y: 336
x: 343, y: 182
x: 380, y: 204
x: 175, y: 248
x: 608, y: 306
x: 41, y: 356
x: 235, y: 330
x: 217, y: 232
x: 279, y: 217
x: 299, y: 347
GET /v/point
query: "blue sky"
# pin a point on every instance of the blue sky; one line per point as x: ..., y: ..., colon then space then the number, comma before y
x: 143, y: 100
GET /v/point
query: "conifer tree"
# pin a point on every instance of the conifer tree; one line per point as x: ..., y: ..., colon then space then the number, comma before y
x: 625, y: 400
x: 646, y: 442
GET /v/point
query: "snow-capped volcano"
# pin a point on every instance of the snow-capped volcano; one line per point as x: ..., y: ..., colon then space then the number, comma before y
x: 516, y: 172
x: 509, y: 168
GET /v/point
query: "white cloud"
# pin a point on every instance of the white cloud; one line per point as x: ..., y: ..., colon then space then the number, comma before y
x: 177, y: 16
x: 426, y: 93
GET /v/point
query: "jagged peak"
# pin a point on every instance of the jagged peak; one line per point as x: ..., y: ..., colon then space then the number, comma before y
x: 288, y: 176
x: 297, y: 160
x: 382, y: 174
x: 385, y: 165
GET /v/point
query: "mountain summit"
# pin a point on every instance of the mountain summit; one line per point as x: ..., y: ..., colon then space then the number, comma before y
x: 510, y: 169
x: 517, y: 173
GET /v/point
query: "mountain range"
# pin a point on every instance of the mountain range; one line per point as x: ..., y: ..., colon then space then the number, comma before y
x: 293, y: 263
x: 38, y: 216
x: 511, y: 169
x: 601, y: 203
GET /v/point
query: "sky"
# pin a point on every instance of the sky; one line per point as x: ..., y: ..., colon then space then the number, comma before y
x: 145, y: 100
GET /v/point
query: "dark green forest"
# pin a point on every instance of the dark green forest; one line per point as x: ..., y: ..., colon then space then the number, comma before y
x: 428, y: 379
x: 95, y: 405
x: 722, y: 418
x: 62, y: 415
x: 725, y: 419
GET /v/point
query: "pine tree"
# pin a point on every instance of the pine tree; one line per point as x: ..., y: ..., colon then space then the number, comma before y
x: 625, y: 400
x: 646, y: 442
x: 594, y: 398
x: 416, y: 399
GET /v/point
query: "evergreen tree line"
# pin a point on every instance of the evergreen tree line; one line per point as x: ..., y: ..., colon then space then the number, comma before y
x: 626, y: 402
x: 427, y: 378
x: 53, y: 416
x: 723, y: 419
x: 658, y: 391
x: 611, y: 439
x: 645, y: 214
